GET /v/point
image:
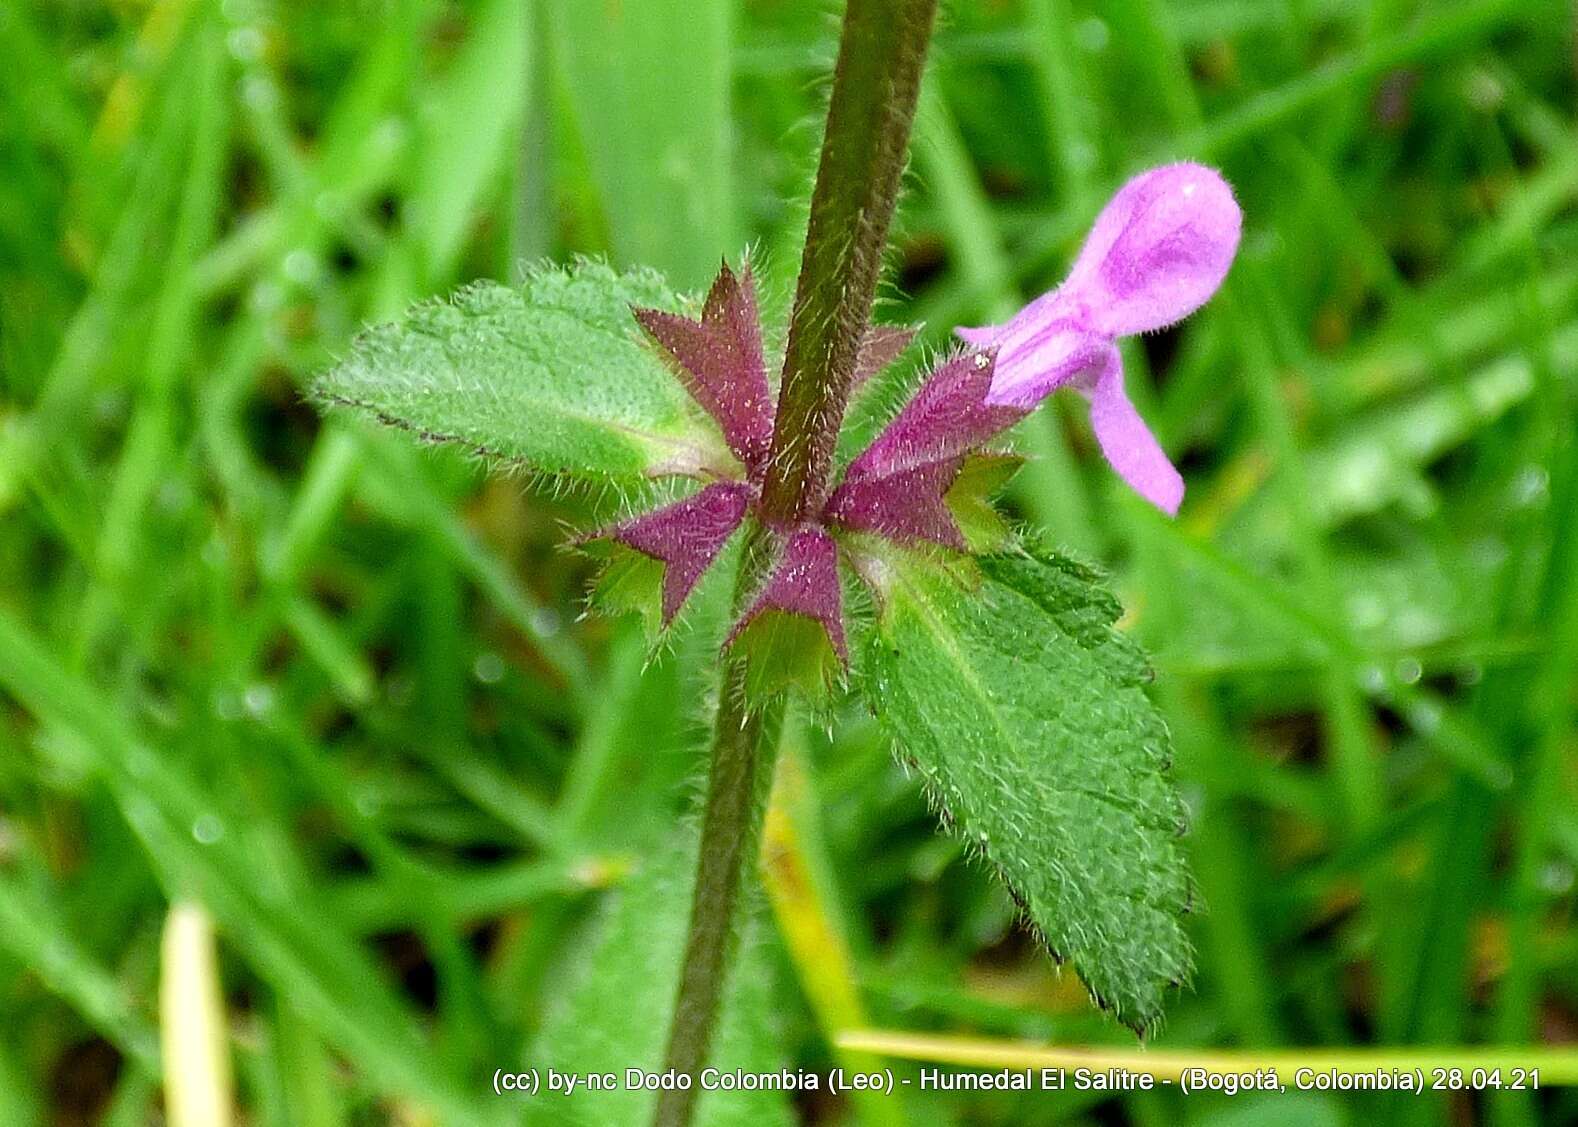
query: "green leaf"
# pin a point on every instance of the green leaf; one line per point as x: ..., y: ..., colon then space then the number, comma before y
x: 630, y: 582
x: 1072, y: 592
x: 616, y: 1009
x: 555, y: 376
x: 1023, y: 712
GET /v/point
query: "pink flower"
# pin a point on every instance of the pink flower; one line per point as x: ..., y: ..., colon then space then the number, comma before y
x: 1158, y: 251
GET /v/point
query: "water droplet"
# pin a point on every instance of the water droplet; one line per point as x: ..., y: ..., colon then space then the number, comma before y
x: 328, y: 205
x: 1372, y: 678
x: 1093, y: 34
x: 1425, y: 715
x: 1408, y: 670
x: 1415, y: 624
x: 266, y: 297
x: 547, y: 622
x: 259, y: 93
x: 54, y: 955
x: 488, y: 668
x: 227, y: 706
x: 1484, y: 91
x: 1532, y: 487
x: 390, y: 133
x: 141, y: 814
x: 1366, y: 610
x: 207, y: 829
x: 1488, y: 551
x: 301, y: 266
x: 246, y: 44
x: 259, y: 699
x: 1557, y: 878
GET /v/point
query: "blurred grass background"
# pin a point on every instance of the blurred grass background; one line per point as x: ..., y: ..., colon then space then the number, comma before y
x: 336, y: 690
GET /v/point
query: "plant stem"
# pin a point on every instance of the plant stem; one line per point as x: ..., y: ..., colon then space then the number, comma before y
x: 745, y: 743
x: 875, y: 86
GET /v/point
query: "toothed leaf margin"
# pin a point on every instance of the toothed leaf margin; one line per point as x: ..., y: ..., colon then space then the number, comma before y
x: 1023, y: 713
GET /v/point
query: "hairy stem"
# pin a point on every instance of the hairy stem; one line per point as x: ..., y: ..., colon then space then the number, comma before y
x: 875, y: 86
x: 745, y: 743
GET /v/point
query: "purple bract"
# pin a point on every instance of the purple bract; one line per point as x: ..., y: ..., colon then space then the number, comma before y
x: 719, y: 360
x: 804, y: 582
x: 686, y: 536
x: 897, y: 487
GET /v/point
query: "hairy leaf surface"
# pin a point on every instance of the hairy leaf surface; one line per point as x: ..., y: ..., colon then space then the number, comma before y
x: 1023, y: 712
x: 554, y: 375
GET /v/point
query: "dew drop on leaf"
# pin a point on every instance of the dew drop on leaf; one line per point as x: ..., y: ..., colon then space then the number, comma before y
x: 207, y: 829
x: 488, y: 668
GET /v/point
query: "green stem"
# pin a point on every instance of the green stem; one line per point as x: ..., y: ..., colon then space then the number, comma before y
x: 868, y: 119
x: 875, y: 86
x: 745, y: 744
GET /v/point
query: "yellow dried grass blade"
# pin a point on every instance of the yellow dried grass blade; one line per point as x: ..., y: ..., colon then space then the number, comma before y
x: 197, y: 1082
x: 1557, y: 1065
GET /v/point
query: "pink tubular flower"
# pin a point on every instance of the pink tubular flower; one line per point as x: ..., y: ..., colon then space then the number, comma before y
x: 1158, y: 251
